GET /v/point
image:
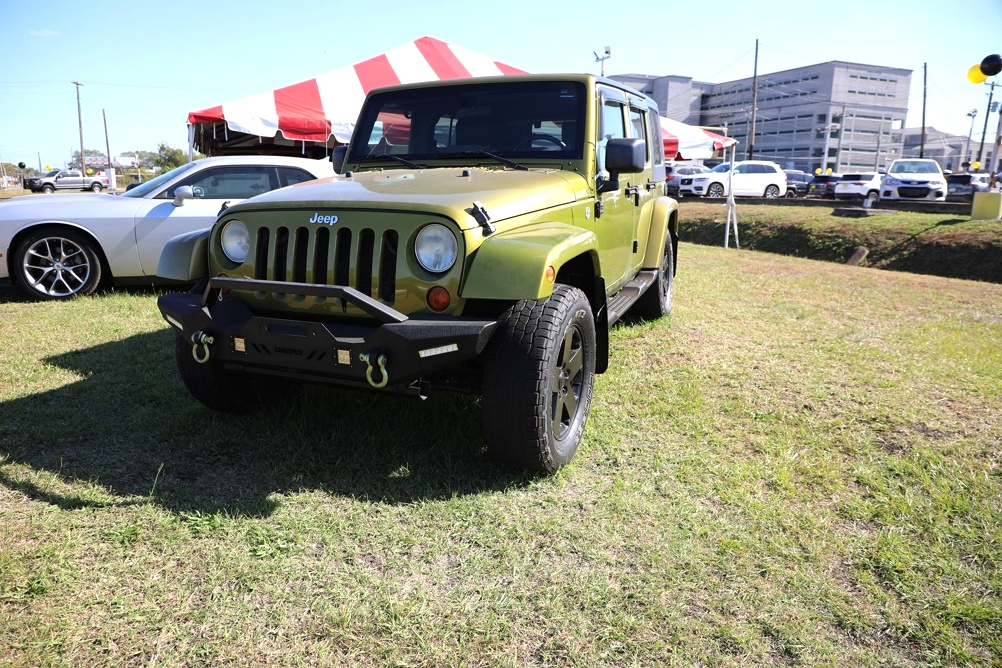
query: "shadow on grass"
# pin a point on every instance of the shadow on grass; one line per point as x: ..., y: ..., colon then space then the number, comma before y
x: 127, y: 430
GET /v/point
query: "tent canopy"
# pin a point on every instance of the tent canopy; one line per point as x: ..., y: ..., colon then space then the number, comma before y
x: 688, y: 142
x: 312, y: 115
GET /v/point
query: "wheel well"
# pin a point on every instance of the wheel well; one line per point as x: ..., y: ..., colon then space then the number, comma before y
x: 18, y: 238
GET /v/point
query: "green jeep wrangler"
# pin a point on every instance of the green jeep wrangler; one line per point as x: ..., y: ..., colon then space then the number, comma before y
x: 482, y: 235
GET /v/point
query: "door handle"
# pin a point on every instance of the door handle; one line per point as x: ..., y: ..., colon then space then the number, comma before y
x: 634, y: 192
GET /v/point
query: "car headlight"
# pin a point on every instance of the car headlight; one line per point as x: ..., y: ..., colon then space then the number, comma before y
x: 435, y: 248
x: 936, y: 184
x: 890, y: 183
x: 235, y: 240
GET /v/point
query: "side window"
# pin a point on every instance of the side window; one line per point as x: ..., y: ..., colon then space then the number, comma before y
x: 638, y: 123
x: 613, y: 126
x: 741, y: 169
x: 288, y: 176
x: 656, y: 141
x: 233, y: 182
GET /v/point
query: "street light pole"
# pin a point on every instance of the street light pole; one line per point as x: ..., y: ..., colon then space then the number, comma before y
x: 967, y: 149
x: 83, y: 166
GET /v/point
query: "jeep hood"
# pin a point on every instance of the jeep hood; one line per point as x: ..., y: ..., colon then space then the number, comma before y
x: 446, y: 191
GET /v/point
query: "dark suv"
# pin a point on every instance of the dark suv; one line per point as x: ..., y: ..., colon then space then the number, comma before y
x: 796, y: 182
x: 823, y: 185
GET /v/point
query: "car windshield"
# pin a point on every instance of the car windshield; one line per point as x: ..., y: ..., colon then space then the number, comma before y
x: 52, y: 173
x: 959, y: 179
x: 521, y: 120
x: 914, y: 167
x: 154, y: 185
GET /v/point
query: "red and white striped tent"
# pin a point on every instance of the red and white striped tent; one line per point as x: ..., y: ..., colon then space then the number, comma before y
x: 310, y: 116
x: 688, y: 142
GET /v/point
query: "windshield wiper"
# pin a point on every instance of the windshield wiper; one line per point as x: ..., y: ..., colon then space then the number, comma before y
x: 504, y: 161
x: 403, y: 161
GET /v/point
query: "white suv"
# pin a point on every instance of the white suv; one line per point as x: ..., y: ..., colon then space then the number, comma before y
x: 752, y: 178
x: 914, y: 178
x: 859, y: 186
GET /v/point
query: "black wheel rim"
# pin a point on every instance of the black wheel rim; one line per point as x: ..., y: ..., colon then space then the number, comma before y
x: 567, y: 383
x: 56, y: 267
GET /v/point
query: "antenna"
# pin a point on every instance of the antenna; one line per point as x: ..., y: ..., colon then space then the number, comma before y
x: 602, y: 59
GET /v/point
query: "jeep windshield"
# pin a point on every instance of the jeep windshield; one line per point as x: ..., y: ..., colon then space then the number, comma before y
x: 500, y: 120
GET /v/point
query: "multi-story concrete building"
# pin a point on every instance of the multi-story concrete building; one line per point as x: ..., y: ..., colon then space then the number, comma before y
x: 838, y: 116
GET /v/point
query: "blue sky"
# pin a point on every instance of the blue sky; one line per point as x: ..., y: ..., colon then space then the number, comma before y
x: 145, y: 65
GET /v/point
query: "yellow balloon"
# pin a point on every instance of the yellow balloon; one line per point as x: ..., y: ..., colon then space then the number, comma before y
x: 975, y: 165
x: 817, y: 170
x: 48, y: 169
x: 975, y: 75
x: 828, y: 171
x: 89, y: 171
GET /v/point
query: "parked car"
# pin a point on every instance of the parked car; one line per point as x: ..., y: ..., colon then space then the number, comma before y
x: 859, y: 186
x: 674, y: 174
x: 823, y: 185
x: 796, y: 182
x: 914, y: 179
x: 60, y: 246
x: 752, y: 178
x: 961, y: 187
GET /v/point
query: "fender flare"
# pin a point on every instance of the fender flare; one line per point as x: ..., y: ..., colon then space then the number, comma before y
x: 185, y: 257
x: 512, y: 265
x: 664, y: 220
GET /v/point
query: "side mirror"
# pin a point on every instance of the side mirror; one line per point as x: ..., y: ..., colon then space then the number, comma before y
x: 181, y: 193
x: 338, y: 156
x: 622, y: 156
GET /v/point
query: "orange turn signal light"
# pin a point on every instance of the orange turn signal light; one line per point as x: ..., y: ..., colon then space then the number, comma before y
x: 551, y: 275
x: 438, y: 298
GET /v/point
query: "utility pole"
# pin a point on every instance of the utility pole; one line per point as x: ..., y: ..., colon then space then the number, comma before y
x: 107, y: 147
x: 83, y: 163
x: 838, y: 146
x: 988, y: 112
x: 925, y: 73
x: 880, y: 133
x: 754, y: 104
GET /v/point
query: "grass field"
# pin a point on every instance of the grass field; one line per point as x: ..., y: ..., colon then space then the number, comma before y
x: 926, y: 243
x: 800, y: 466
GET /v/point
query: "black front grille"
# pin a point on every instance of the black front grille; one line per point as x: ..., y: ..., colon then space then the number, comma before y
x: 361, y: 259
x: 913, y: 192
x: 686, y: 182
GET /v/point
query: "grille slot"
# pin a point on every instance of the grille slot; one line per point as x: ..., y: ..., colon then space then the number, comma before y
x: 388, y: 267
x: 318, y: 255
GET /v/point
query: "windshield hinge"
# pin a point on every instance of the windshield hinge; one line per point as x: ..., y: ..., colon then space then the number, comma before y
x: 480, y: 214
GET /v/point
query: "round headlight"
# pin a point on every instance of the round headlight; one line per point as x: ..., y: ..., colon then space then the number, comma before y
x: 235, y: 240
x: 436, y: 248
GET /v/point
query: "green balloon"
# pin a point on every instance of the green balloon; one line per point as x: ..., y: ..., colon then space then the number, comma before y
x: 991, y: 65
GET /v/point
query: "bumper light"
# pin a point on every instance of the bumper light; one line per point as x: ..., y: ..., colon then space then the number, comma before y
x: 438, y: 298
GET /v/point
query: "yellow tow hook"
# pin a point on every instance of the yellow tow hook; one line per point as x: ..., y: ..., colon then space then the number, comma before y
x: 200, y: 338
x: 381, y: 361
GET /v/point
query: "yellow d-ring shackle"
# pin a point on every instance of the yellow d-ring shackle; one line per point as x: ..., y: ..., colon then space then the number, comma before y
x: 200, y: 338
x: 381, y: 361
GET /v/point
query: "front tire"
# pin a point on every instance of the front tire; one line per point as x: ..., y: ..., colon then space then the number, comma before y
x: 47, y: 189
x: 216, y: 387
x: 57, y: 264
x: 715, y: 190
x: 539, y: 374
x: 772, y: 192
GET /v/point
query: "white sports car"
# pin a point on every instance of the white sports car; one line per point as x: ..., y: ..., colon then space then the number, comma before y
x: 60, y: 246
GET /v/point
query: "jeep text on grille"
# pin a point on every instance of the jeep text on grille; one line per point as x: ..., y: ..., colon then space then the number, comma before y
x: 482, y: 236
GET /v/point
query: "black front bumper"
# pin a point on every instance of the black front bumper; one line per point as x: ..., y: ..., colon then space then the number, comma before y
x: 389, y: 350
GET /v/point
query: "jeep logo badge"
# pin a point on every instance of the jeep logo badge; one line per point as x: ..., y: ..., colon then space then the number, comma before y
x: 323, y: 220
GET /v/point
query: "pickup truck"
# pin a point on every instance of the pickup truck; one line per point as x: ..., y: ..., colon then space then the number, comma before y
x: 65, y: 179
x: 483, y: 236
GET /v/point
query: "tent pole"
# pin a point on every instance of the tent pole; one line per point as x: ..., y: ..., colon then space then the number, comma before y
x: 732, y: 213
